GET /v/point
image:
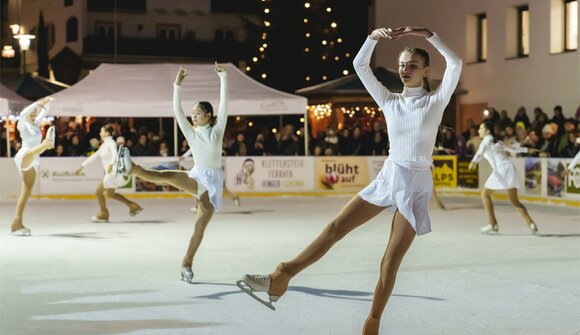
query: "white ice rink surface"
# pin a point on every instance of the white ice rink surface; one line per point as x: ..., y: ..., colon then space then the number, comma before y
x: 75, y: 277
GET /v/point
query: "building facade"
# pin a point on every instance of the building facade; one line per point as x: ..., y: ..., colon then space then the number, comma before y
x: 516, y: 52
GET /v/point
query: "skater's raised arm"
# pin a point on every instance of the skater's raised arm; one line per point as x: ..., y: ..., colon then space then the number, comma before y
x: 452, y: 70
x: 222, y: 117
x: 44, y: 104
x: 363, y: 69
x: 184, y: 125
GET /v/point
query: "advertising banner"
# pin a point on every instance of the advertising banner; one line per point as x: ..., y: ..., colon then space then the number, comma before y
x: 573, y: 181
x: 445, y: 171
x: 555, y: 182
x: 269, y: 174
x: 466, y: 178
x: 533, y: 181
x: 341, y: 174
x: 58, y: 176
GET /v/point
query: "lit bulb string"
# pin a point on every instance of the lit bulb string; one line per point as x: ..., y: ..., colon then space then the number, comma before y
x: 322, y: 111
x: 328, y: 42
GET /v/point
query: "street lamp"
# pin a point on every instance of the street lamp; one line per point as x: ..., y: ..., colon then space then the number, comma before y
x: 24, y: 42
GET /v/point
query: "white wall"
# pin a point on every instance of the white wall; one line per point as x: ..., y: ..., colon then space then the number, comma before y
x: 542, y: 79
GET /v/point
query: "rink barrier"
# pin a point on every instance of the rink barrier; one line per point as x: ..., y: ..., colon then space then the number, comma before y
x: 298, y: 176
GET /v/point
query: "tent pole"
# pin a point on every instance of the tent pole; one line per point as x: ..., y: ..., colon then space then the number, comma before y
x: 175, y: 137
x: 306, y: 134
x: 8, y: 153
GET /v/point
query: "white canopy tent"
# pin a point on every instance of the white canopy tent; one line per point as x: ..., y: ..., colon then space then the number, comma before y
x: 146, y: 90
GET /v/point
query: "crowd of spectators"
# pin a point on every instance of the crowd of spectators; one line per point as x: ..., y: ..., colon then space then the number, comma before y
x: 553, y: 136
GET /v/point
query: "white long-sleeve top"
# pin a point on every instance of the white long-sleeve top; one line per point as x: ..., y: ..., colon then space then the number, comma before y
x: 413, y: 115
x: 205, y: 141
x: 30, y: 131
x: 496, y: 153
x: 107, y: 153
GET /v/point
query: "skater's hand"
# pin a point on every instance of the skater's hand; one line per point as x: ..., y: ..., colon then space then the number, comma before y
x: 79, y: 170
x: 110, y: 168
x: 45, y: 101
x: 412, y: 31
x: 180, y: 75
x: 219, y: 67
x: 472, y: 166
x: 380, y: 33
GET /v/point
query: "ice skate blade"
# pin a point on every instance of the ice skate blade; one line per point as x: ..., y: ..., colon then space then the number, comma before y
x: 95, y: 219
x: 21, y: 232
x: 136, y: 212
x: 248, y: 289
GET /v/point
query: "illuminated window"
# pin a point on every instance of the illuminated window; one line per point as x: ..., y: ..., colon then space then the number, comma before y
x: 571, y: 25
x: 523, y: 31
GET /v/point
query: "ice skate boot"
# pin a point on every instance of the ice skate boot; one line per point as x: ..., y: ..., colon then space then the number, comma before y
x: 187, y: 274
x: 134, y: 209
x: 489, y: 229
x: 51, y: 136
x: 533, y: 228
x: 101, y: 217
x: 18, y: 229
x: 123, y: 162
x: 275, y: 284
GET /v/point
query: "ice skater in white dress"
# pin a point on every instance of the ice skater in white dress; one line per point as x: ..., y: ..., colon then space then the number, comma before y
x: 27, y: 158
x: 503, y: 176
x: 205, y: 180
x: 107, y: 153
x: 404, y: 184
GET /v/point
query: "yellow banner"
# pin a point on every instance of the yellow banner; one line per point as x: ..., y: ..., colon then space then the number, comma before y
x: 341, y: 174
x: 445, y: 171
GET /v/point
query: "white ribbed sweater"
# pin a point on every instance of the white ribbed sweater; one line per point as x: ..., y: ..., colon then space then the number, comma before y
x: 413, y: 116
x: 205, y: 142
x: 30, y: 131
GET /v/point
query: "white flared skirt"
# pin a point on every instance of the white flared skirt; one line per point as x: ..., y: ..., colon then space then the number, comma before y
x: 210, y: 180
x: 403, y: 186
x: 20, y: 156
x: 503, y: 177
x: 111, y: 180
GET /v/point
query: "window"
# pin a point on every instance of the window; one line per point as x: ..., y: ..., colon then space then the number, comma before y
x: 68, y: 3
x: 219, y: 35
x: 107, y: 29
x: 523, y: 31
x: 481, y: 37
x: 170, y: 32
x: 229, y: 35
x: 72, y: 29
x: 571, y: 25
x: 476, y: 38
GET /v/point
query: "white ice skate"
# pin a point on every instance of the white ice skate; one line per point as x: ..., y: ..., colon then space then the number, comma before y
x: 21, y: 232
x: 533, y: 228
x: 489, y: 229
x: 237, y: 201
x: 51, y: 136
x: 96, y: 219
x: 258, y: 283
x: 187, y: 274
x: 123, y: 162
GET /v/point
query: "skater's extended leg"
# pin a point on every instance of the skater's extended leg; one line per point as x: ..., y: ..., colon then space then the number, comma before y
x: 34, y: 152
x: 353, y: 214
x: 437, y: 199
x: 513, y: 196
x: 175, y: 178
x: 28, y: 179
x: 402, y: 235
